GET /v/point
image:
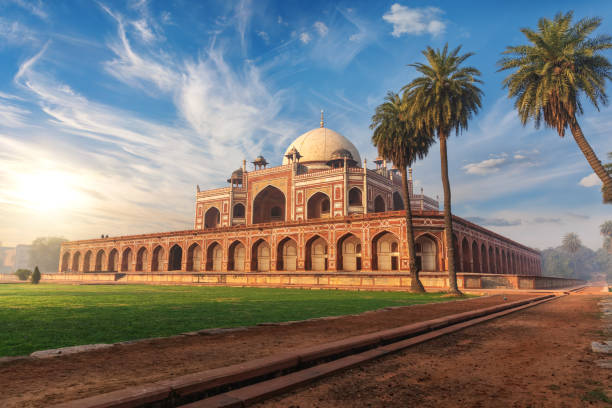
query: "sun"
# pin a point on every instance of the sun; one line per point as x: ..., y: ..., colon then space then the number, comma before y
x: 48, y: 191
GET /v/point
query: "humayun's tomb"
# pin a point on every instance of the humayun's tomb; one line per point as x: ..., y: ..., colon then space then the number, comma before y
x: 320, y: 219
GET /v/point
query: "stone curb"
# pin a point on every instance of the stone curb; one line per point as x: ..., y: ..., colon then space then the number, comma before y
x: 200, y: 382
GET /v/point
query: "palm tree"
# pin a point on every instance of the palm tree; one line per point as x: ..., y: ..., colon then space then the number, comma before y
x: 561, y: 65
x: 571, y: 242
x: 440, y: 101
x: 399, y: 142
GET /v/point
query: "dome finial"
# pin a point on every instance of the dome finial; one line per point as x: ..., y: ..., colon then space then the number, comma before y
x: 322, y: 121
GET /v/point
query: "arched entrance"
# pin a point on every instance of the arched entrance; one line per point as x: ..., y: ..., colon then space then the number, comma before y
x: 484, y: 261
x: 379, y: 204
x: 156, y: 261
x: 354, y: 197
x: 260, y: 256
x: 385, y: 252
x: 141, y: 259
x: 426, y: 252
x: 475, y: 258
x: 238, y: 211
x: 497, y: 261
x: 316, y: 254
x: 75, y: 261
x: 65, y: 261
x: 113, y: 260
x: 287, y: 255
x: 194, y: 258
x: 212, y: 218
x: 349, y: 253
x: 465, y: 255
x: 269, y: 206
x: 87, y: 261
x: 214, y: 257
x: 491, y: 260
x: 318, y: 206
x: 457, y: 254
x: 126, y: 260
x: 236, y: 257
x: 175, y: 258
x: 398, y: 201
x: 100, y: 261
x: 503, y: 262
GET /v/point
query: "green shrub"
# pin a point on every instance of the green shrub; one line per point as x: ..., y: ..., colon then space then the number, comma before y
x: 23, y: 274
x: 36, y: 276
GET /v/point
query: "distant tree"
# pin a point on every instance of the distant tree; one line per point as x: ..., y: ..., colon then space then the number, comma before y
x: 45, y: 253
x: 561, y: 65
x: 440, y: 101
x: 606, y: 230
x: 23, y: 274
x: 35, y: 276
x: 397, y: 140
x: 571, y: 243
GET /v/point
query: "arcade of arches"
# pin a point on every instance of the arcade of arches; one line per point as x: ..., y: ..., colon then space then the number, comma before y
x: 350, y: 251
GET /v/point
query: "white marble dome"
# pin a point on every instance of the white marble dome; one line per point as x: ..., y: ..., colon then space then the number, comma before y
x: 317, y: 145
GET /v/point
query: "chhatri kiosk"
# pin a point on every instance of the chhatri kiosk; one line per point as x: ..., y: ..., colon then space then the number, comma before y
x: 321, y: 211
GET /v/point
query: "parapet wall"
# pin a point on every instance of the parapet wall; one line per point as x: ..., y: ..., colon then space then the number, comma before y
x: 353, y: 281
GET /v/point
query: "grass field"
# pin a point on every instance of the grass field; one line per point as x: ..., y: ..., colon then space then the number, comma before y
x: 38, y: 317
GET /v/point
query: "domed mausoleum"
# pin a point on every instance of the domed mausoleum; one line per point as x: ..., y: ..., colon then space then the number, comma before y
x: 323, y: 210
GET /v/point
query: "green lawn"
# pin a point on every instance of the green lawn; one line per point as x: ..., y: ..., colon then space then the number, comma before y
x: 38, y: 317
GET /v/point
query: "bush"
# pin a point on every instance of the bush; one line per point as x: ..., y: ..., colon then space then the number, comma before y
x: 36, y: 276
x: 23, y: 274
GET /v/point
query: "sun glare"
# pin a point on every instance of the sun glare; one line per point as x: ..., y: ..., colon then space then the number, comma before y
x: 49, y: 191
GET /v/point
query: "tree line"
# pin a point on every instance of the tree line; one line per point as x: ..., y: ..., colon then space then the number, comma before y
x: 561, y: 66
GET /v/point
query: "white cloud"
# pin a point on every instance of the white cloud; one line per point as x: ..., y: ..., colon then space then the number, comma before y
x: 12, y: 116
x: 15, y: 33
x: 282, y: 22
x: 590, y: 181
x: 484, y: 167
x: 33, y: 6
x: 417, y: 21
x: 143, y: 30
x: 321, y: 28
x: 264, y: 36
x: 305, y: 38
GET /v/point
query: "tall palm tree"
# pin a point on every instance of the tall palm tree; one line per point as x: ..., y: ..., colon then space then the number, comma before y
x: 561, y: 65
x: 398, y: 141
x: 440, y: 101
x: 571, y: 242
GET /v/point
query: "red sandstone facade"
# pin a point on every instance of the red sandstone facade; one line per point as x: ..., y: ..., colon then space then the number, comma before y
x: 318, y: 211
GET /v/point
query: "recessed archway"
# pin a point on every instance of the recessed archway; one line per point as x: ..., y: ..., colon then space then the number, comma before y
x: 457, y: 254
x: 141, y: 259
x: 354, y: 197
x: 126, y: 260
x: 212, y: 218
x: 498, y: 268
x: 465, y: 256
x: 214, y: 257
x: 236, y: 257
x: 379, y: 204
x: 316, y: 254
x: 75, y: 261
x: 87, y: 261
x: 398, y: 201
x: 349, y: 253
x: 269, y: 206
x: 484, y: 260
x: 65, y: 261
x: 475, y: 258
x: 492, y: 261
x: 157, y: 259
x: 385, y: 252
x: 194, y: 258
x: 113, y: 260
x: 318, y: 206
x: 426, y: 253
x: 175, y: 258
x: 100, y: 261
x: 286, y: 259
x: 238, y: 211
x: 260, y: 256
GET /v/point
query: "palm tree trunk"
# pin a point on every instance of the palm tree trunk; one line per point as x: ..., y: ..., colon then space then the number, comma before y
x: 448, y: 218
x: 415, y: 282
x: 594, y: 162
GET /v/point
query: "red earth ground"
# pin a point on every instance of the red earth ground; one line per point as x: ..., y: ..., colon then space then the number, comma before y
x: 539, y: 357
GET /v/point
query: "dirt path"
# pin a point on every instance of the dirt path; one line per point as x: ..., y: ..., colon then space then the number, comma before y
x: 539, y: 357
x: 40, y: 383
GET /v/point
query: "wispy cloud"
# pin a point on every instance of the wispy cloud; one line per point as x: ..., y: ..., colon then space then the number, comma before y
x: 305, y: 38
x: 501, y: 161
x: 590, y: 181
x: 15, y: 33
x: 321, y: 28
x: 415, y: 21
x: 35, y: 7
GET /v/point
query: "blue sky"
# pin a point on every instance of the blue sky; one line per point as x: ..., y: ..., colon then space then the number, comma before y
x: 111, y: 112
